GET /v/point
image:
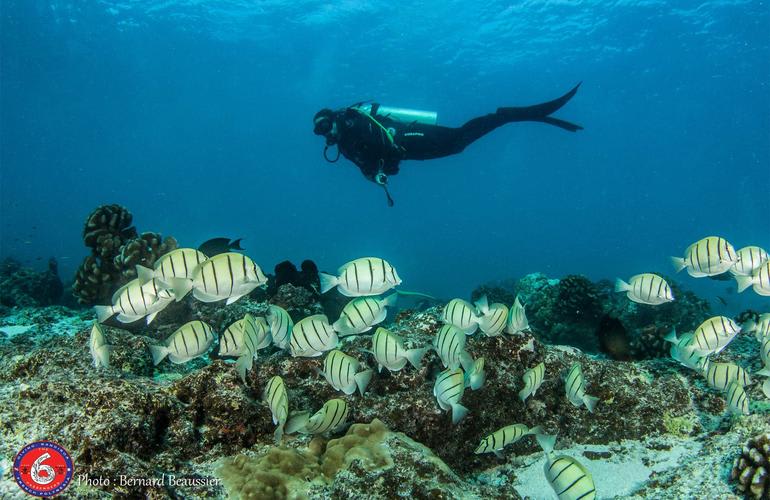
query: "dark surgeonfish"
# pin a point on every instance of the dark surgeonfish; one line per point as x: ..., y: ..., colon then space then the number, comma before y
x: 216, y: 246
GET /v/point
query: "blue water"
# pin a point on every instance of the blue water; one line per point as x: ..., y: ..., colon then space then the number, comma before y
x: 197, y: 116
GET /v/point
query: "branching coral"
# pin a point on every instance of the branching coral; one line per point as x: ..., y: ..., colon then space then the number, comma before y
x: 143, y: 250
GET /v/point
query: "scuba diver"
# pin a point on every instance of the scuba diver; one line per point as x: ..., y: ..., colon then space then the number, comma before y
x: 376, y: 138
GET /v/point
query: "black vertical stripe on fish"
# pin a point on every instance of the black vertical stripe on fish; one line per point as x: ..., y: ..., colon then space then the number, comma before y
x: 176, y: 347
x: 339, y: 367
x: 363, y: 321
x: 312, y: 323
x: 505, y: 435
x: 450, y: 388
x: 184, y: 261
x: 128, y: 296
x: 383, y: 271
x: 575, y: 374
x: 355, y: 272
x: 163, y: 269
x: 386, y: 351
x: 230, y: 270
x: 494, y: 442
x: 197, y: 340
x: 173, y: 270
x: 304, y: 338
x: 697, y: 257
x: 203, y: 277
x: 184, y: 342
x: 560, y: 459
x: 243, y: 263
x: 660, y: 285
x: 586, y: 493
x: 144, y: 302
x: 216, y: 277
x: 569, y: 466
x: 371, y: 274
x: 393, y: 274
x: 719, y: 249
x: 571, y: 485
x: 708, y: 255
x: 366, y: 303
x: 649, y: 292
x: 331, y: 424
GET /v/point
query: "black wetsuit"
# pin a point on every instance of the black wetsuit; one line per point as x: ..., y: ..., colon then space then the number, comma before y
x: 362, y: 137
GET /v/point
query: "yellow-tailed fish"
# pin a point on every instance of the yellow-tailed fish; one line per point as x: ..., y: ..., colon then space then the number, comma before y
x: 749, y: 260
x: 737, y: 400
x: 533, y: 379
x: 135, y: 300
x: 576, y: 389
x: 569, y: 479
x: 227, y: 276
x: 449, y: 344
x: 281, y: 325
x: 312, y: 336
x: 362, y: 313
x: 100, y: 350
x: 389, y: 351
x: 495, y: 442
x: 475, y: 377
x: 330, y: 417
x: 449, y: 389
x: 341, y: 371
x: 713, y: 335
x: 682, y: 351
x: 179, y: 263
x: 190, y: 341
x: 277, y: 400
x: 646, y: 288
x: 462, y: 314
x: 707, y: 257
x: 759, y: 280
x: 517, y: 318
x: 760, y: 328
x: 362, y: 277
x: 493, y: 317
x: 720, y: 375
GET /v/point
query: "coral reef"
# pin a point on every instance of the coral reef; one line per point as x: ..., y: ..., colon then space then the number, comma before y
x: 116, y: 249
x: 24, y: 287
x: 751, y: 469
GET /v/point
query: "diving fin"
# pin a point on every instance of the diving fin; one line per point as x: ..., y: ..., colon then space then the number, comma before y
x: 541, y: 112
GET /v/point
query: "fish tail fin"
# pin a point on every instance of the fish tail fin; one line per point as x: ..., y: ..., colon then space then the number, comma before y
x: 765, y: 372
x: 546, y: 442
x: 590, y: 402
x: 390, y: 300
x: 145, y: 274
x: 362, y: 380
x: 103, y: 313
x: 158, y: 353
x: 414, y: 356
x: 621, y: 286
x: 243, y: 365
x: 744, y: 282
x: 482, y: 304
x: 466, y: 361
x: 766, y: 388
x: 298, y: 422
x: 671, y: 337
x: 679, y: 263
x: 477, y: 380
x: 749, y: 326
x: 151, y: 317
x: 180, y: 287
x: 235, y: 244
x: 327, y: 281
x: 524, y: 394
x: 534, y: 431
x: 103, y: 355
x: 278, y: 434
x: 541, y: 112
x: 458, y: 412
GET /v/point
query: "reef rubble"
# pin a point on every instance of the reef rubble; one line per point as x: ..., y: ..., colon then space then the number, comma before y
x: 658, y: 429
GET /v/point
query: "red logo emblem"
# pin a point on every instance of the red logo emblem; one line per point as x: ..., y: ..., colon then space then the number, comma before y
x: 43, y: 469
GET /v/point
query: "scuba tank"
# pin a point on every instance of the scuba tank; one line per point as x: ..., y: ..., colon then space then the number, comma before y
x: 400, y: 114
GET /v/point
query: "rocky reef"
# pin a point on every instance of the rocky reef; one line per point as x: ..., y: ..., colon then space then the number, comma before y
x: 657, y: 431
x: 24, y: 287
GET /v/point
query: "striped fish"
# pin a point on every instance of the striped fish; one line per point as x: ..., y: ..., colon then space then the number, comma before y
x: 179, y: 263
x: 476, y: 376
x: 362, y: 313
x: 493, y: 317
x: 720, y: 375
x: 759, y: 280
x: 764, y: 353
x: 462, y: 314
x: 190, y: 341
x: 331, y: 416
x: 533, y: 379
x: 569, y: 479
x: 389, y: 351
x: 517, y: 318
x: 682, y: 351
x: 737, y: 400
x: 341, y: 371
x: 760, y: 328
x: 449, y: 344
x: 243, y: 339
x: 135, y: 300
x: 362, y: 277
x: 495, y: 442
x: 448, y: 389
x: 707, y: 257
x: 281, y: 325
x: 576, y: 389
x: 312, y: 336
x: 766, y: 388
x: 713, y: 335
x: 749, y: 260
x: 277, y: 400
x: 100, y: 350
x: 227, y: 276
x: 646, y: 288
